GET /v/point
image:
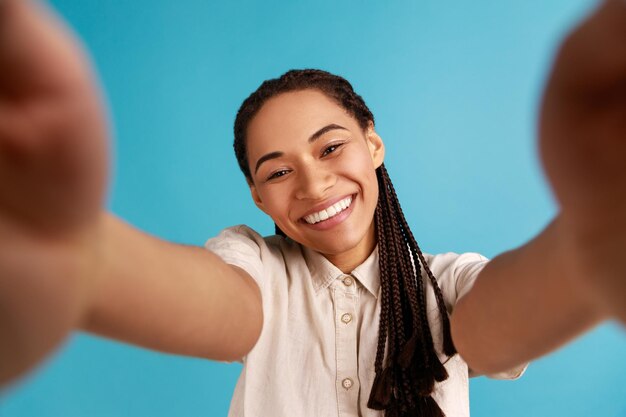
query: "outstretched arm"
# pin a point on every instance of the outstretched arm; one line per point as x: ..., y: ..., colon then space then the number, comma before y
x: 524, y: 304
x: 53, y: 162
x: 170, y: 297
x: 531, y: 300
x: 63, y: 263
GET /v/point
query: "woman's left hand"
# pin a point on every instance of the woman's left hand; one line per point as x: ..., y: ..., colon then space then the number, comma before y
x: 583, y: 149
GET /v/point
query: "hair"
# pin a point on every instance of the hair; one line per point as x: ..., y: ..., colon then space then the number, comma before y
x: 405, y: 378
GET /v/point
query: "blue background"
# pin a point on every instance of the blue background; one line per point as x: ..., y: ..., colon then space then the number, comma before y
x: 455, y: 91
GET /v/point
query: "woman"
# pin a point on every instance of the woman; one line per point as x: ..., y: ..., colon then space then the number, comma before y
x: 83, y: 241
x: 344, y: 280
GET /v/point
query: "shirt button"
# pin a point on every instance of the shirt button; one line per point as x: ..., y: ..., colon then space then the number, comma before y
x: 347, y: 383
x: 346, y: 318
x: 347, y: 281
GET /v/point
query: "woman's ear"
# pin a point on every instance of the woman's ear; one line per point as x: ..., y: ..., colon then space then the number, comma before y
x: 375, y: 144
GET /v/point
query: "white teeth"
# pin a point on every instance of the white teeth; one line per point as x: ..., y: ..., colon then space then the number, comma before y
x: 329, y: 212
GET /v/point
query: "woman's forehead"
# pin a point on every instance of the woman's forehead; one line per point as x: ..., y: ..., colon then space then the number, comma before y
x: 294, y: 116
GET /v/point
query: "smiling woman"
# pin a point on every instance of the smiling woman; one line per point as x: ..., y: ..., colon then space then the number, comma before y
x: 310, y: 127
x: 314, y: 174
x: 338, y: 314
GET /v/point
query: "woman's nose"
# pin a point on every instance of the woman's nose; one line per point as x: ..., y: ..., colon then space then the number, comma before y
x: 314, y: 183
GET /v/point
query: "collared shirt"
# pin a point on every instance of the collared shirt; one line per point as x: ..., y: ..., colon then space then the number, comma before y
x: 315, y: 356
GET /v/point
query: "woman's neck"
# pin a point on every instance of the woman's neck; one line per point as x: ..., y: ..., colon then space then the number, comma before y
x: 347, y: 261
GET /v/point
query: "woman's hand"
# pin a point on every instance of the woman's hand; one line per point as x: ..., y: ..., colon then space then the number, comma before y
x: 52, y: 131
x: 63, y: 263
x: 583, y: 148
x: 53, y: 168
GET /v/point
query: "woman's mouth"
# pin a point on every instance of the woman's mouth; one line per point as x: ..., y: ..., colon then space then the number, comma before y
x: 329, y: 212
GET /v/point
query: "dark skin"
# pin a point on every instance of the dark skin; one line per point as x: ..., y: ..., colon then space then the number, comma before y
x: 53, y: 138
x: 572, y: 275
x: 57, y: 247
x: 582, y: 138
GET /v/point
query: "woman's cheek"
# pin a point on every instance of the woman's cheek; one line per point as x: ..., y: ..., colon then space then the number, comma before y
x: 277, y: 204
x: 361, y: 167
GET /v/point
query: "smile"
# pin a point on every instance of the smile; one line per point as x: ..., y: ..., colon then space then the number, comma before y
x: 329, y: 212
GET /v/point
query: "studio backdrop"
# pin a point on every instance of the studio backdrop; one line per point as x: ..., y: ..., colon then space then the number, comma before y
x: 455, y: 90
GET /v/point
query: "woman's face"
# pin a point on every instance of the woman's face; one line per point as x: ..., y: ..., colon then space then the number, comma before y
x: 313, y: 171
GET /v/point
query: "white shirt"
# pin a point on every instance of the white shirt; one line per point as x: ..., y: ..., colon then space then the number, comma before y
x: 315, y: 356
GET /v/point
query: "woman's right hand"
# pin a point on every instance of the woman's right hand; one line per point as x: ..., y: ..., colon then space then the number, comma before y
x: 53, y: 170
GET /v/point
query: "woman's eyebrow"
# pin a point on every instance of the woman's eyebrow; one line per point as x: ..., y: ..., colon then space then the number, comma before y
x: 266, y: 157
x: 315, y: 136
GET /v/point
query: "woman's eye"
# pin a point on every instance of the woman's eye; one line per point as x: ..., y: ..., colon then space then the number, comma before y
x: 278, y: 174
x: 332, y: 148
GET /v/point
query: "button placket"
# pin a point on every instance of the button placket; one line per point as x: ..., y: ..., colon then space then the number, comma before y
x: 347, y: 383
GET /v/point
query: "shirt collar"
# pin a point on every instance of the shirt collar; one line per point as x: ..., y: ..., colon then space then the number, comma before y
x: 323, y: 272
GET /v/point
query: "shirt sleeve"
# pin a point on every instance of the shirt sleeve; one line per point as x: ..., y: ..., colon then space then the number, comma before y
x: 456, y: 275
x: 242, y: 247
